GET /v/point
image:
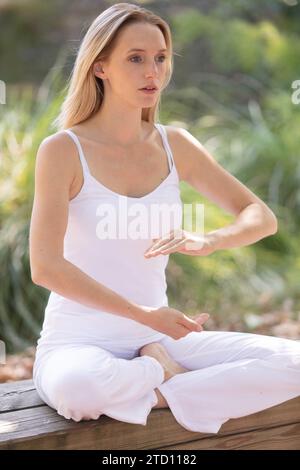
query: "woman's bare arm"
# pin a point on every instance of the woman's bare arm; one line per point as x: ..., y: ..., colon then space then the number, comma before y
x: 54, y: 175
x: 254, y: 220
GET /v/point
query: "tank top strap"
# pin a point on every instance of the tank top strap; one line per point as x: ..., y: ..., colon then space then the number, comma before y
x: 161, y: 128
x: 80, y: 151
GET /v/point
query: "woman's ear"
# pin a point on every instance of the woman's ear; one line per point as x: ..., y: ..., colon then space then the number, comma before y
x: 97, y: 69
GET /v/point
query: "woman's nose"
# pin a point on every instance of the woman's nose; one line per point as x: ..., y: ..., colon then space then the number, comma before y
x: 151, y: 69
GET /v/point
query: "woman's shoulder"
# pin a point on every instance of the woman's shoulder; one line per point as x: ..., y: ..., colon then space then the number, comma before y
x: 59, y: 145
x: 58, y: 151
x: 57, y: 141
x: 174, y: 136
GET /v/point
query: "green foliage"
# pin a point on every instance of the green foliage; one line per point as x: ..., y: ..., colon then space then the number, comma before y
x: 24, y: 121
x: 27, y: 30
x: 214, y: 48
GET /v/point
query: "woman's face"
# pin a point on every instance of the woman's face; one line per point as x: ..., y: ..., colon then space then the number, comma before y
x: 128, y: 70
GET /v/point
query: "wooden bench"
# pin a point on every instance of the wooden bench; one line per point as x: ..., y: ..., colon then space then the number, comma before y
x: 27, y: 423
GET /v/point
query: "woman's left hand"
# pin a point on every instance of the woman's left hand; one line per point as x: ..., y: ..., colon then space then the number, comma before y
x: 182, y: 241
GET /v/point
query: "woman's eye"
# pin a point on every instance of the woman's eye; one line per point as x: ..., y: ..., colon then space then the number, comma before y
x: 137, y: 56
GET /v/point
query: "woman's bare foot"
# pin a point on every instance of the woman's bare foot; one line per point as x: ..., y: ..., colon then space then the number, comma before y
x: 159, y: 352
x: 161, y: 401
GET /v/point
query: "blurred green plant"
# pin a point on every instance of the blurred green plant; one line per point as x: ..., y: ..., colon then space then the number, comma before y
x: 24, y: 122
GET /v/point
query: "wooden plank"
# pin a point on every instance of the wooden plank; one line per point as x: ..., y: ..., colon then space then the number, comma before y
x: 18, y: 395
x: 42, y: 428
x: 22, y: 394
x: 27, y: 423
x: 278, y: 438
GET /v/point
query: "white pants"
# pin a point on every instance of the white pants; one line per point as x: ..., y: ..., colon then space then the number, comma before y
x: 231, y: 375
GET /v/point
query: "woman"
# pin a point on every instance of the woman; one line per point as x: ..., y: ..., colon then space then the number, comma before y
x: 110, y: 344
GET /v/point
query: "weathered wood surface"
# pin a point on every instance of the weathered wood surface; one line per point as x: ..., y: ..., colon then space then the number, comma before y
x: 27, y: 423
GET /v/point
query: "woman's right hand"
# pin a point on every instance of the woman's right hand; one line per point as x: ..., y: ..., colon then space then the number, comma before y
x: 173, y: 322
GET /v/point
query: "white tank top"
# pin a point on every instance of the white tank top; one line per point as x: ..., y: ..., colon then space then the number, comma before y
x: 118, y: 263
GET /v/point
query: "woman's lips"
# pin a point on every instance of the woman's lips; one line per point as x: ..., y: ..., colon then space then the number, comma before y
x: 149, y: 92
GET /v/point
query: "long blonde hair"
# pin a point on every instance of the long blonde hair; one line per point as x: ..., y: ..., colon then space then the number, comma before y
x: 85, y: 91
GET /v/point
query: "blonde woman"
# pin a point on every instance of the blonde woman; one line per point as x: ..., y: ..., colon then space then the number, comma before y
x: 110, y: 344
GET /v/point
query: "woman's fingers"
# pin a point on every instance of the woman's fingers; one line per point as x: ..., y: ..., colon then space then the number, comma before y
x: 201, y: 317
x: 192, y: 325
